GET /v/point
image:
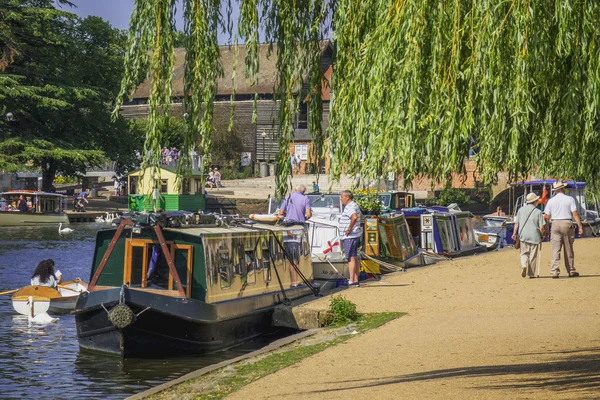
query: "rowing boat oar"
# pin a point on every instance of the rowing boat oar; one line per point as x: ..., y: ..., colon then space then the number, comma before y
x: 8, y: 292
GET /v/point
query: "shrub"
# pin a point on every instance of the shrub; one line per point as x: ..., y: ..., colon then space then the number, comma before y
x: 341, y: 311
x: 451, y: 195
x: 60, y: 180
x: 228, y: 173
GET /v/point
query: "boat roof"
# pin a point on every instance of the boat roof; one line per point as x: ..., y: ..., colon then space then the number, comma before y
x: 31, y: 193
x: 569, y: 184
x: 211, y: 230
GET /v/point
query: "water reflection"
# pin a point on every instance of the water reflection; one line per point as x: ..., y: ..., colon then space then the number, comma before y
x: 46, y: 359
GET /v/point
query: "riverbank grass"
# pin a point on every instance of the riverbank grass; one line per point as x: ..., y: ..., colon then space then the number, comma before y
x: 220, y: 383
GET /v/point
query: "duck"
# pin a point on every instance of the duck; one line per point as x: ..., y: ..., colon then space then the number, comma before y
x: 64, y: 230
x: 42, y: 318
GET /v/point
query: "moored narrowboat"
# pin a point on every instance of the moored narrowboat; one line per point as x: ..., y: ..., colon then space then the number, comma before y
x: 443, y: 231
x: 158, y: 289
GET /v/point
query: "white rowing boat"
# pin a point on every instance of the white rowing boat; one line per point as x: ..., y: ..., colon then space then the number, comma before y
x: 54, y: 301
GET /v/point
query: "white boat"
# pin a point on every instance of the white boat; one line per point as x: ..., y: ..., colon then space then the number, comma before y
x: 53, y: 301
x: 46, y: 208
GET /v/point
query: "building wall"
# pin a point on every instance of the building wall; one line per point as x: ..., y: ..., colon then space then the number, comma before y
x: 470, y: 180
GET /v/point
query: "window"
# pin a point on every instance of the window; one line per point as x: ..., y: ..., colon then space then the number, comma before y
x: 225, y: 269
x: 302, y: 116
x: 162, y: 184
x: 302, y: 151
x: 146, y: 265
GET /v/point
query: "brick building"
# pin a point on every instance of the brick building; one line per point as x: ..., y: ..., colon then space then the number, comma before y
x: 259, y: 140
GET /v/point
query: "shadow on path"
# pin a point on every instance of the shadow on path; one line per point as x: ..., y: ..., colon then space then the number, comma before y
x: 576, y: 371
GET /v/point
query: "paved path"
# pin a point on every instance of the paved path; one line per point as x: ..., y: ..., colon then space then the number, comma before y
x: 475, y: 330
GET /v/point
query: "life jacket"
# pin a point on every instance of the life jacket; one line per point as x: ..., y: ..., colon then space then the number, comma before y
x: 544, y: 198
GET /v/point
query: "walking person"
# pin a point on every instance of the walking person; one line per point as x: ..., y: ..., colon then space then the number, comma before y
x: 350, y: 233
x: 217, y: 178
x: 293, y: 163
x: 561, y: 210
x: 530, y: 227
x: 296, y: 209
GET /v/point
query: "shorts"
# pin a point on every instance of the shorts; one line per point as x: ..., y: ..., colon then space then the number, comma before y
x: 351, y: 247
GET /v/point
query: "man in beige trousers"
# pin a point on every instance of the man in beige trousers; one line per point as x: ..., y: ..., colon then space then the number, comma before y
x: 530, y: 227
x: 561, y: 210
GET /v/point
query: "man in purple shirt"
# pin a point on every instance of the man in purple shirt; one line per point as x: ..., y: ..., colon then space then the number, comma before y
x: 296, y: 207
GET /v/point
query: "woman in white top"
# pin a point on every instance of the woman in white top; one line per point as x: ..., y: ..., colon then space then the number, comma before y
x: 45, y: 275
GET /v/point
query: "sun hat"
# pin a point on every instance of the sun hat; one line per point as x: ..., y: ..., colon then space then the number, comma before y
x: 558, y: 185
x: 531, y: 197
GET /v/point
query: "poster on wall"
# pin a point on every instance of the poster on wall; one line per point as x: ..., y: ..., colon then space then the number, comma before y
x: 246, y: 158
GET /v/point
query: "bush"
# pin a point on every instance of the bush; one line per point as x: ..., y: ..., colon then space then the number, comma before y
x: 60, y: 180
x: 341, y: 311
x: 228, y: 173
x: 451, y: 195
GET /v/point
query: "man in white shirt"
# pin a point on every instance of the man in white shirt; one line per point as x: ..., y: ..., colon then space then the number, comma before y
x: 561, y: 210
x: 350, y: 233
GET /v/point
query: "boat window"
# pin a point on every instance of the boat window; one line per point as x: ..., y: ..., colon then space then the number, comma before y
x: 251, y: 263
x: 137, y: 258
x: 182, y: 257
x: 266, y: 260
x: 157, y: 275
x: 225, y: 269
x: 386, y: 200
x: 304, y: 244
x: 239, y: 257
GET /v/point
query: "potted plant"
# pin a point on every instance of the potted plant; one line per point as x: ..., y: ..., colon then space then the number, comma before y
x: 368, y: 201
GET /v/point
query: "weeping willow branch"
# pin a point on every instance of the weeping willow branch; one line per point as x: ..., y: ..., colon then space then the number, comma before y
x: 415, y: 82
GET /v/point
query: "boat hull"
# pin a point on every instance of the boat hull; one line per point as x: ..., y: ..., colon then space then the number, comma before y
x: 168, y: 325
x: 15, y: 218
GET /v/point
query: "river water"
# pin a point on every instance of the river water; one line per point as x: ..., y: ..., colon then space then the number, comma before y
x: 45, y: 361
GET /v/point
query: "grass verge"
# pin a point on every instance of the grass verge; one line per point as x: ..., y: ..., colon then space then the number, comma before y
x: 220, y: 383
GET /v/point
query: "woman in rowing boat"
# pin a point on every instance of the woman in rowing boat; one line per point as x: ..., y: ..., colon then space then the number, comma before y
x: 45, y: 275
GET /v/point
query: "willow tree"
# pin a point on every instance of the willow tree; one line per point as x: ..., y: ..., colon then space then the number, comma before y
x: 415, y: 82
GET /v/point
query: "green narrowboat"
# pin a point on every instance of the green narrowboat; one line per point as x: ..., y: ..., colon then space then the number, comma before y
x: 156, y: 289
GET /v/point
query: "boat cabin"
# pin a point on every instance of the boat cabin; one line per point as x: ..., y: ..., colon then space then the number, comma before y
x: 210, y: 264
x: 42, y: 208
x: 443, y: 230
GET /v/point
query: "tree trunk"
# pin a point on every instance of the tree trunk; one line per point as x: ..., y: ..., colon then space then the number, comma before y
x: 48, y: 174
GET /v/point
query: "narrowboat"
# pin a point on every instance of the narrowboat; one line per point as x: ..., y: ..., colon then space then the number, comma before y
x: 162, y: 286
x: 443, y: 231
x: 501, y: 225
x: 387, y: 243
x: 43, y: 208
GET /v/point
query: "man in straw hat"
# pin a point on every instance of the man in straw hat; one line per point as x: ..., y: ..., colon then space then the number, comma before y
x: 530, y: 227
x: 561, y: 210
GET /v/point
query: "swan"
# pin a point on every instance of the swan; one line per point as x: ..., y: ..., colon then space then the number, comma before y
x: 64, y: 230
x: 42, y: 318
x: 100, y: 220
